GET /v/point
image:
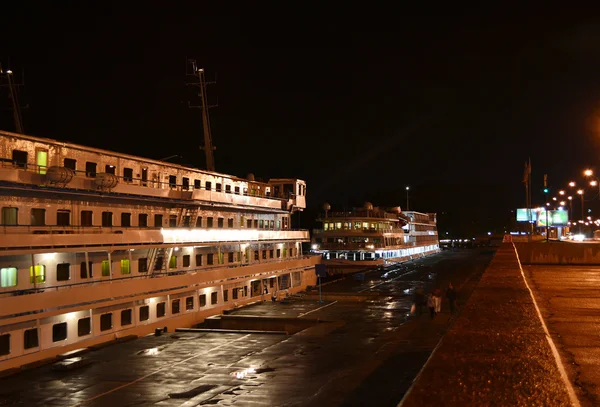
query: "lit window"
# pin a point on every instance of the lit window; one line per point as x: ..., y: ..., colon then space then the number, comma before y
x: 105, y: 268
x: 125, y: 266
x: 8, y: 277
x: 40, y: 273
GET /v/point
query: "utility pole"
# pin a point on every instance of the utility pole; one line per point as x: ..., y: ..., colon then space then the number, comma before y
x: 13, y: 95
x: 208, y: 146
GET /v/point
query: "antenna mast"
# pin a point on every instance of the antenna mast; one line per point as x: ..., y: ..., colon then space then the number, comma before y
x: 208, y: 146
x: 14, y: 98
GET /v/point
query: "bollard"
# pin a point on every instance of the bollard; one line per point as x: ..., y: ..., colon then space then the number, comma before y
x: 157, y: 332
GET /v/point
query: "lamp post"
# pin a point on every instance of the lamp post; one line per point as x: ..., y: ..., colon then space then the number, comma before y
x: 580, y: 192
x: 407, y: 188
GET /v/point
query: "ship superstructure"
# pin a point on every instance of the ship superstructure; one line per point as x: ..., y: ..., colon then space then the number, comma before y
x: 371, y: 236
x: 97, y: 245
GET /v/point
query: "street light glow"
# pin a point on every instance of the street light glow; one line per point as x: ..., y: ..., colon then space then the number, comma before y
x: 561, y: 192
x: 571, y: 184
x: 580, y: 191
x: 588, y: 173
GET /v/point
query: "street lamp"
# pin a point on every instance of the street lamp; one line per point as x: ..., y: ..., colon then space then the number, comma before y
x: 580, y: 192
x: 572, y: 184
x: 407, y: 188
x: 561, y: 192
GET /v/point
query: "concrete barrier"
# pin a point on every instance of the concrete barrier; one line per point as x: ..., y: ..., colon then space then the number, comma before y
x: 563, y: 253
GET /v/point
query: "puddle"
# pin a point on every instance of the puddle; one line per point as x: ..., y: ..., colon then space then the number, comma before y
x: 192, y: 392
x: 151, y: 351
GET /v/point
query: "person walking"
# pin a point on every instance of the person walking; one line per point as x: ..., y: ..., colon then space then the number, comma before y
x: 438, y: 301
x: 419, y: 300
x: 451, y: 295
x: 431, y: 304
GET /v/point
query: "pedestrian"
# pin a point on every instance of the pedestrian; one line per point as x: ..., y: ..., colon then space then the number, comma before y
x: 431, y: 304
x: 451, y: 294
x: 420, y: 301
x: 438, y: 301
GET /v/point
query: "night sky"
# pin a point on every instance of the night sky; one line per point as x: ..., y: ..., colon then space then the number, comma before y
x: 450, y: 104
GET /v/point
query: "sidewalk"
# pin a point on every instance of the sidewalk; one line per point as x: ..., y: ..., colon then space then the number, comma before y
x: 496, y: 352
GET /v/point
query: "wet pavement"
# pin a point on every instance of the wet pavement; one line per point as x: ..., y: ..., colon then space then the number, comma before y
x: 497, y: 352
x: 354, y: 353
x: 569, y: 298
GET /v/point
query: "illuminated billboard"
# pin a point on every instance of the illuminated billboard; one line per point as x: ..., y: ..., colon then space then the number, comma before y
x: 522, y: 215
x: 555, y: 218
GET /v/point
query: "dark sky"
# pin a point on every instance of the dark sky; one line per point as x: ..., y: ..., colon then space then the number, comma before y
x: 451, y: 104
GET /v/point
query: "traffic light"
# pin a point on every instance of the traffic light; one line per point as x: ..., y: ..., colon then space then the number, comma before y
x: 545, y: 190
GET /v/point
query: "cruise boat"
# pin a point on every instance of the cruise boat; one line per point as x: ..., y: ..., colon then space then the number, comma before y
x: 96, y: 246
x: 367, y: 237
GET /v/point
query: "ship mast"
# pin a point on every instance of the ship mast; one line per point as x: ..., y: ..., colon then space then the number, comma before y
x: 16, y: 108
x: 208, y: 146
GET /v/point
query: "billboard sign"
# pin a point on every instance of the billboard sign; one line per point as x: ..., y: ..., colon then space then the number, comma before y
x: 555, y: 218
x: 522, y: 215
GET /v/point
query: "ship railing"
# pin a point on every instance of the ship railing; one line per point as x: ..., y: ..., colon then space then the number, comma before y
x: 380, y: 231
x: 155, y: 274
x: 359, y: 214
x: 76, y: 229
x: 153, y: 183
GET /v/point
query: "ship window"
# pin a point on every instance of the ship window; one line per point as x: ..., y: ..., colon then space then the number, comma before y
x: 106, y: 322
x: 143, y: 220
x: 175, y: 306
x: 173, y: 181
x: 38, y: 217
x: 8, y: 277
x: 125, y: 266
x: 255, y: 223
x: 127, y: 174
x: 105, y: 268
x: 228, y: 189
x: 125, y: 219
x: 271, y: 253
x: 255, y: 254
x: 230, y: 222
x: 264, y: 254
x: 126, y: 317
x: 158, y: 220
x: 144, y: 313
x: 261, y: 223
x: 214, y: 298
x: 161, y: 309
x: 325, y: 225
x: 225, y: 295
x: 245, y: 191
x: 59, y: 332
x: 209, y: 222
x: 285, y: 252
x: 278, y: 224
x: 70, y: 163
x: 84, y: 326
x: 278, y: 253
x: 172, y: 221
x: 198, y: 260
x: 10, y: 216
x: 63, y: 271
x: 41, y: 160
x: 63, y: 217
x: 237, y: 190
x: 210, y: 258
x: 220, y: 222
x: 197, y: 184
x: 203, y: 300
x: 186, y: 260
x: 109, y: 169
x: 218, y: 187
x: 158, y: 263
x: 208, y: 185
x: 40, y: 273
x: 85, y: 272
x: 19, y: 158
x: 249, y: 223
x: 221, y: 258
x: 142, y: 265
x: 173, y: 262
x: 107, y: 219
x: 291, y: 252
x: 185, y: 183
x: 86, y: 218
x: 230, y: 257
x: 235, y: 293
x: 30, y: 338
x: 90, y: 169
x: 199, y: 222
x: 189, y: 303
